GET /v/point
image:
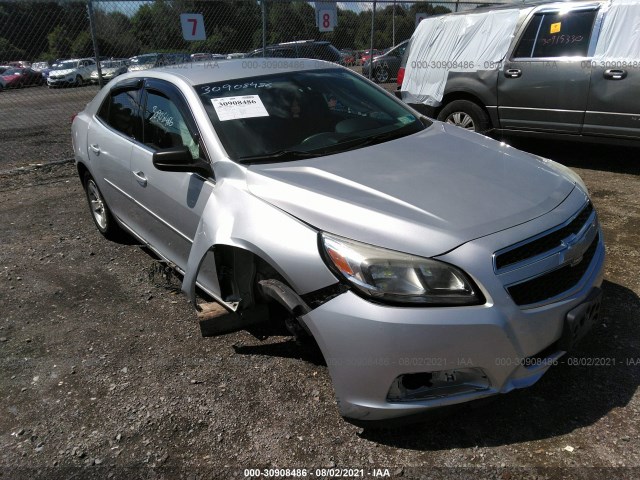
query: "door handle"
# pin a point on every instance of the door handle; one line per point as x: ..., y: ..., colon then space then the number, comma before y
x: 95, y: 148
x: 614, y: 74
x: 513, y: 73
x: 140, y: 178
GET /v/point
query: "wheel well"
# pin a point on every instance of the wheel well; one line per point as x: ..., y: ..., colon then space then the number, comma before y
x: 239, y: 271
x: 451, y: 97
x: 82, y: 169
x: 246, y: 278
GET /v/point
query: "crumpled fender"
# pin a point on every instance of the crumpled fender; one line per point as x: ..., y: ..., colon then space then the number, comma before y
x: 235, y: 217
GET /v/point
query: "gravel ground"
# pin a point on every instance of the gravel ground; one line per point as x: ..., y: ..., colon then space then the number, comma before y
x: 104, y: 373
x: 35, y: 123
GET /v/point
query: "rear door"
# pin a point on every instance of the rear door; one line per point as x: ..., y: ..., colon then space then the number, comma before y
x: 613, y: 108
x: 169, y: 205
x: 111, y: 136
x: 544, y: 85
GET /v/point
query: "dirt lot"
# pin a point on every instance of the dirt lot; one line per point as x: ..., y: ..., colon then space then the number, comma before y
x: 104, y: 372
x: 35, y: 123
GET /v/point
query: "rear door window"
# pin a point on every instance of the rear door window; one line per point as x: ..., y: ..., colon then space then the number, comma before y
x: 556, y: 34
x: 121, y: 111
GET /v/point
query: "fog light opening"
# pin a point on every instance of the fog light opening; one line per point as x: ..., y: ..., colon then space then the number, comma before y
x: 443, y: 383
x: 413, y: 381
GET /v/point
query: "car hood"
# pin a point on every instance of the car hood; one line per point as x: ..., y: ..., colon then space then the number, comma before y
x: 423, y: 194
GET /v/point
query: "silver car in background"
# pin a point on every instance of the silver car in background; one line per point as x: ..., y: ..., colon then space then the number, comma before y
x: 431, y: 265
x: 109, y: 69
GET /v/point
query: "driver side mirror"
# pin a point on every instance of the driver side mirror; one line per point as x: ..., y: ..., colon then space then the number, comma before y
x: 179, y: 159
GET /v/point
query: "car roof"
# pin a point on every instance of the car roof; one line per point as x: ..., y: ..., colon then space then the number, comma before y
x: 528, y: 4
x: 200, y: 73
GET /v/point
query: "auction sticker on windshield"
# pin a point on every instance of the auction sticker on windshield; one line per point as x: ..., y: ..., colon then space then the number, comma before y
x: 233, y: 108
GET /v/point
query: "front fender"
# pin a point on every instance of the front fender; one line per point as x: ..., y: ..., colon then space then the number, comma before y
x: 235, y: 217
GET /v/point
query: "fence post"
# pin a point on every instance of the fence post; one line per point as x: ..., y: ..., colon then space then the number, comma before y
x: 393, y: 20
x: 263, y: 4
x: 373, y: 25
x: 94, y: 38
x: 457, y: 3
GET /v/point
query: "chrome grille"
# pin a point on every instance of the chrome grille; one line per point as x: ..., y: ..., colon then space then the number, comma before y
x: 545, y: 243
x: 544, y: 267
x: 553, y: 283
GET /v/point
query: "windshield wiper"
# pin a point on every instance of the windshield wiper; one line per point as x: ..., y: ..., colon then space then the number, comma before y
x: 279, y: 156
x: 357, y: 142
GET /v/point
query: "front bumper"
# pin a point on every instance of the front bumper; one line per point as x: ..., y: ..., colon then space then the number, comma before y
x: 59, y: 82
x: 367, y: 346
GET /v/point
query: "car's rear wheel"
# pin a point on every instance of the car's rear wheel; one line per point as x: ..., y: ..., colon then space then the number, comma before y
x: 465, y: 114
x: 381, y: 74
x: 100, y: 212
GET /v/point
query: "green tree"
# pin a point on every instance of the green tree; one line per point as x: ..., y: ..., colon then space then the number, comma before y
x: 157, y: 27
x: 9, y: 52
x: 115, y: 34
x: 82, y: 46
x: 59, y: 43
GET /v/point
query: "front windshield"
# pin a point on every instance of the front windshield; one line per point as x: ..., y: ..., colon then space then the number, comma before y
x: 11, y: 71
x: 111, y: 63
x: 66, y: 65
x: 302, y: 113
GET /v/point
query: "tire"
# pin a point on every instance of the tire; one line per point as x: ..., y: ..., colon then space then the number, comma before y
x: 79, y: 81
x: 381, y: 75
x: 465, y: 114
x: 102, y: 217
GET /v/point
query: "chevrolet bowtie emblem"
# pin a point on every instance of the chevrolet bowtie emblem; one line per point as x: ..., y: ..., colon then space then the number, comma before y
x: 575, y: 247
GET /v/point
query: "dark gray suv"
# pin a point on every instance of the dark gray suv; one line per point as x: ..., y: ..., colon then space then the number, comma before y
x: 569, y: 69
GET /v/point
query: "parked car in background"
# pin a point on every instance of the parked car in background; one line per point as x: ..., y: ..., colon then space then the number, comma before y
x: 146, y: 61
x: 365, y: 55
x: 20, y: 64
x: 110, y: 69
x: 321, y: 50
x: 154, y: 60
x: 73, y: 72
x: 204, y: 57
x: 386, y: 66
x: 47, y: 70
x: 568, y: 70
x: 348, y: 57
x: 41, y: 65
x: 176, y: 59
x: 17, y: 77
x: 432, y: 265
x: 235, y: 55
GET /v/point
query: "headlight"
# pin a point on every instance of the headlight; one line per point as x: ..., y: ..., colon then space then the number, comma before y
x: 394, y: 277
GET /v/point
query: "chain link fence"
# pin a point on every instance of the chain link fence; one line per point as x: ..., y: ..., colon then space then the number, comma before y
x: 38, y: 36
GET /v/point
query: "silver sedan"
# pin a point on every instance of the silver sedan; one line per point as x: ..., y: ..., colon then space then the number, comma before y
x: 431, y: 265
